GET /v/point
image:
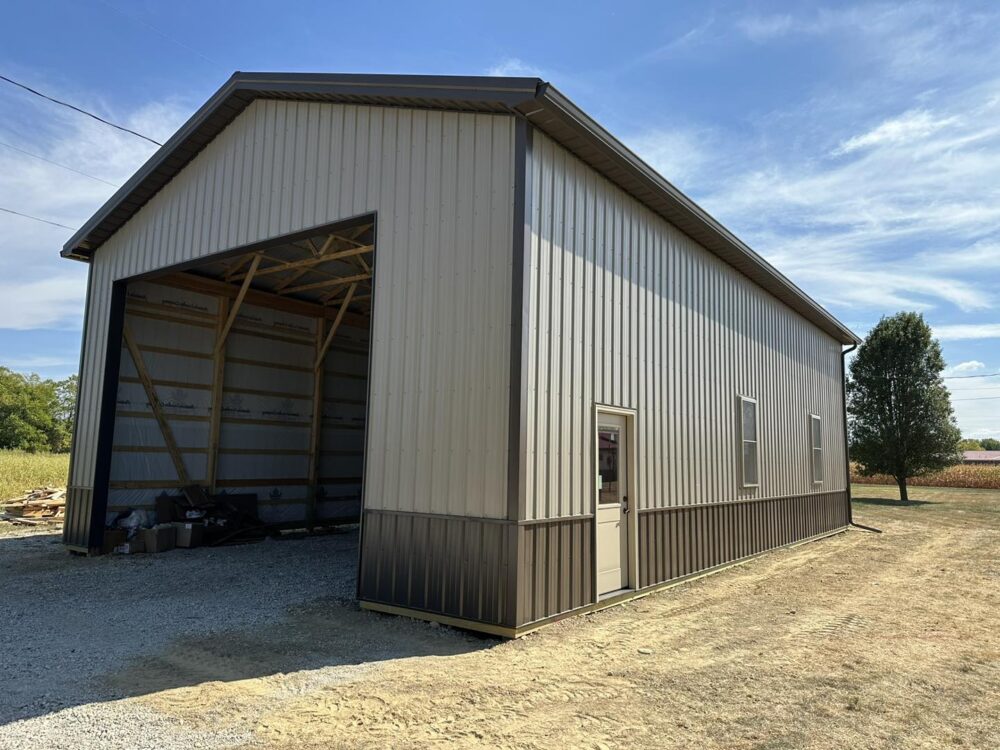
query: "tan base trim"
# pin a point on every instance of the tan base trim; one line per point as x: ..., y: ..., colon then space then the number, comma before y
x: 455, y: 622
x: 626, y: 596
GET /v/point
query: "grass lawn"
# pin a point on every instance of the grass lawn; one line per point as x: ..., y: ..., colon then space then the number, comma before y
x: 20, y: 471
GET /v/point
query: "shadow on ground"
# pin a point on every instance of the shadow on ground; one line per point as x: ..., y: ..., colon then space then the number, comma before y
x: 78, y: 630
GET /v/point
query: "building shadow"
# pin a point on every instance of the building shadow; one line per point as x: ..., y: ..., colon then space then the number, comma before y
x: 88, y: 630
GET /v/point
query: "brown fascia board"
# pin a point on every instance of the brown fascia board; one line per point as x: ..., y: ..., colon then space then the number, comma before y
x: 537, y: 101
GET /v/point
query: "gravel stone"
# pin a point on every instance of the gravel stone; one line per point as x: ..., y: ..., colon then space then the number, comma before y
x: 69, y: 624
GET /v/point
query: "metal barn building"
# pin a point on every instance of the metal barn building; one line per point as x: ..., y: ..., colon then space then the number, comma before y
x: 458, y: 310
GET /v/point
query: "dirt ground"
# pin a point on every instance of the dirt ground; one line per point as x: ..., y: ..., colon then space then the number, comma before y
x: 860, y: 640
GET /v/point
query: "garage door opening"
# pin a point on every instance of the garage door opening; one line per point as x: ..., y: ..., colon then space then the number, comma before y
x: 243, y: 380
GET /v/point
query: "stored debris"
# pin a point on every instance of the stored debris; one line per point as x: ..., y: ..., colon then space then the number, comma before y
x: 42, y: 505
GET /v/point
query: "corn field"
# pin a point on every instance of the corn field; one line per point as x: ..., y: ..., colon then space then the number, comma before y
x: 974, y: 476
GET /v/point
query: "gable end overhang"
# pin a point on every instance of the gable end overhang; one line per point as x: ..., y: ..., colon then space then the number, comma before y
x: 538, y: 102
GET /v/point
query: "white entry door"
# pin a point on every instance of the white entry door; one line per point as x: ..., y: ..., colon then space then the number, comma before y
x: 612, y: 503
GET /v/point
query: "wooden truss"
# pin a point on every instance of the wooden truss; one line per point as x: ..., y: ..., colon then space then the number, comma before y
x: 233, y: 290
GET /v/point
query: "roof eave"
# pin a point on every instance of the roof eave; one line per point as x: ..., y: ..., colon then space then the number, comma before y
x: 556, y: 105
x: 242, y: 88
x: 539, y: 102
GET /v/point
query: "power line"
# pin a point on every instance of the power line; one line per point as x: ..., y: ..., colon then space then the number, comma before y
x: 978, y: 398
x: 63, y: 166
x: 28, y: 216
x: 81, y: 111
x: 963, y: 377
x: 166, y: 36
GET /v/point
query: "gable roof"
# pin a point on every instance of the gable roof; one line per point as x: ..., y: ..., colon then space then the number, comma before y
x: 537, y: 101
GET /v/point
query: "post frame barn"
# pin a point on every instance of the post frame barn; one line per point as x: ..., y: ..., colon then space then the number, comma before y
x: 459, y: 311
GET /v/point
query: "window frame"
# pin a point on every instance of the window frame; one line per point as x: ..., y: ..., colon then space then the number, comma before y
x: 741, y: 399
x: 813, y: 448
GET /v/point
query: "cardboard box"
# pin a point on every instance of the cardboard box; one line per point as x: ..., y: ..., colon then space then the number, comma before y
x: 112, y: 539
x: 190, y: 534
x: 159, y: 538
x: 131, y: 546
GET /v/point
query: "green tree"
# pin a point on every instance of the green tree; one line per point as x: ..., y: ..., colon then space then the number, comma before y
x: 900, y: 417
x: 969, y: 444
x: 990, y: 444
x: 30, y: 414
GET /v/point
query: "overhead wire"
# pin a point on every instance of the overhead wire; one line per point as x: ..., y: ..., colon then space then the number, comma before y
x: 35, y: 218
x: 80, y: 110
x: 57, y: 164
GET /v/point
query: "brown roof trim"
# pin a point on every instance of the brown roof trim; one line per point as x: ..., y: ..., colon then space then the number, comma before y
x: 539, y: 102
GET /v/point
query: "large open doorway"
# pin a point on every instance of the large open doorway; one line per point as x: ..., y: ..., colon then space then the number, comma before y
x: 245, y: 377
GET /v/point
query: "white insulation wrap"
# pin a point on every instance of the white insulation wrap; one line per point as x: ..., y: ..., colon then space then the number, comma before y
x: 266, y: 417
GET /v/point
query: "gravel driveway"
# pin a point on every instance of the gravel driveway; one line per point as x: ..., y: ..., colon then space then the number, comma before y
x: 80, y: 637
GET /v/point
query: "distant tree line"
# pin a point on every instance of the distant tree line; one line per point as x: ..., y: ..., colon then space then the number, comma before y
x: 36, y: 414
x: 982, y: 444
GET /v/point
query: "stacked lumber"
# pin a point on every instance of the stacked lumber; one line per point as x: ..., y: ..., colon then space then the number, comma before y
x: 38, y: 506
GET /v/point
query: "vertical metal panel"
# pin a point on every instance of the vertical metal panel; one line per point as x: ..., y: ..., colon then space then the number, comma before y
x: 713, y: 535
x: 624, y: 309
x: 442, y: 186
x: 447, y: 565
x: 556, y: 568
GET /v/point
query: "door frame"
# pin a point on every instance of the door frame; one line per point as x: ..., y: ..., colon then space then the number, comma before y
x: 632, y: 517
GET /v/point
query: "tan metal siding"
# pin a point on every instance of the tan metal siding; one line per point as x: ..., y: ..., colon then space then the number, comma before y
x: 442, y: 186
x: 626, y: 310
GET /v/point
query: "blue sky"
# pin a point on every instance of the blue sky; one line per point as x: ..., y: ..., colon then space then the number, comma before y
x: 856, y: 146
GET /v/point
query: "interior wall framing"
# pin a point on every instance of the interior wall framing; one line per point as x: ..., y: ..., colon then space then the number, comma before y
x: 266, y: 406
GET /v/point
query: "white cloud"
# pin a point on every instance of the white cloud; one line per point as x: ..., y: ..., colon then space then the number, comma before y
x: 910, y: 126
x: 965, y: 367
x: 679, y: 154
x: 516, y: 67
x: 40, y: 362
x: 764, y: 28
x: 38, y: 289
x: 47, y: 303
x: 906, y: 215
x: 966, y: 331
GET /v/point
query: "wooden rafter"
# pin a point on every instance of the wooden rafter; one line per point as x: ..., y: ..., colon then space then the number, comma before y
x: 328, y: 282
x: 203, y: 285
x: 306, y: 263
x: 156, y: 406
x: 333, y: 328
x: 221, y: 341
x: 332, y: 297
x: 232, y: 271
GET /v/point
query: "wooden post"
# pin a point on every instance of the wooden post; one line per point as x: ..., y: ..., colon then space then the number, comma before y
x: 154, y: 403
x: 316, y: 428
x: 218, y: 377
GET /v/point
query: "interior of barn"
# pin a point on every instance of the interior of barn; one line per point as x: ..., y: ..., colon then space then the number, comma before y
x: 242, y: 389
